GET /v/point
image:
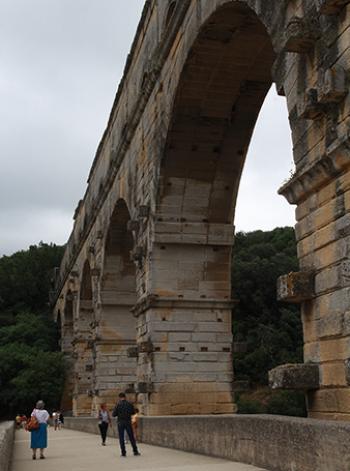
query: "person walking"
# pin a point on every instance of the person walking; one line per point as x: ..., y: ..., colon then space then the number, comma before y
x: 104, y: 420
x: 135, y: 424
x: 123, y: 411
x: 38, y: 437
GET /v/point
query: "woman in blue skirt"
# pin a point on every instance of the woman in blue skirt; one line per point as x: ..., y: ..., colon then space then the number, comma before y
x: 39, y: 436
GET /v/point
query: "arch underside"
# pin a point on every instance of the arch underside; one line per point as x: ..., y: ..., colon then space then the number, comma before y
x: 223, y: 85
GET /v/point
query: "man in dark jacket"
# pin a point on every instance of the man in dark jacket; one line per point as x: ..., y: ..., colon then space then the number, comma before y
x: 123, y: 411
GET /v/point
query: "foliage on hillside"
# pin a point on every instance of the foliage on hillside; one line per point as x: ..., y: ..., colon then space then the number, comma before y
x: 272, y: 330
x: 30, y: 365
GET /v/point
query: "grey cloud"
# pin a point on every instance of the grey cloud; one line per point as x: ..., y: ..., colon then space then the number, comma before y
x: 61, y: 62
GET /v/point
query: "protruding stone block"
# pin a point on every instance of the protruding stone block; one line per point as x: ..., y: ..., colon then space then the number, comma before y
x: 295, y: 287
x: 333, y: 88
x: 302, y: 376
x: 298, y: 36
x: 331, y: 7
x: 310, y: 107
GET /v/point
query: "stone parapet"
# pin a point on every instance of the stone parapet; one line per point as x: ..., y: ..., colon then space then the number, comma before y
x: 273, y: 442
x: 6, y: 444
x: 88, y: 425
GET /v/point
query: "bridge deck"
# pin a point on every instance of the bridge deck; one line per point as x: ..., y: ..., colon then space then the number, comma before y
x: 78, y: 451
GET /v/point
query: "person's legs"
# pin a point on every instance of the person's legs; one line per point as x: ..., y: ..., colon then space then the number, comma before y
x: 121, y: 432
x: 42, y: 453
x: 130, y: 433
x: 134, y: 429
x: 104, y: 432
x: 34, y: 453
x: 100, y: 426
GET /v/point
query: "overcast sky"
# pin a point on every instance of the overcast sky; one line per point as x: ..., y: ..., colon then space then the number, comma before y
x: 60, y: 65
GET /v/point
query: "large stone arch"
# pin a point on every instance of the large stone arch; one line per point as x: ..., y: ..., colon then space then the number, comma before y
x: 116, y: 334
x: 174, y: 148
x: 220, y: 91
x: 237, y: 51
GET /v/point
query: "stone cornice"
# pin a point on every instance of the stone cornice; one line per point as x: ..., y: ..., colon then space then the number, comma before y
x: 106, y: 341
x: 335, y: 160
x: 153, y: 301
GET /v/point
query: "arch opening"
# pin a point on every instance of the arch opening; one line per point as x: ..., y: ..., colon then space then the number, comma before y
x: 67, y: 347
x: 86, y: 310
x: 83, y: 347
x: 117, y: 325
x: 221, y: 90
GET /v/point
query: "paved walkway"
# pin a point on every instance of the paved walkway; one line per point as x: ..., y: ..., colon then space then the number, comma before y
x: 76, y: 451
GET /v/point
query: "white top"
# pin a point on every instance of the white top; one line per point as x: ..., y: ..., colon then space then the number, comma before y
x: 103, y: 416
x: 41, y: 415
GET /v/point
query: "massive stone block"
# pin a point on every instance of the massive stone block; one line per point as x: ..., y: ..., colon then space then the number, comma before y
x: 295, y: 376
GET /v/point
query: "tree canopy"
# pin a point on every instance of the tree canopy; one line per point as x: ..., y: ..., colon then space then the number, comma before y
x: 271, y: 330
x: 31, y: 367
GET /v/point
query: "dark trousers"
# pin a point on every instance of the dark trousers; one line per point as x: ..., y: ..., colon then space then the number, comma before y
x: 122, y: 427
x: 103, y: 430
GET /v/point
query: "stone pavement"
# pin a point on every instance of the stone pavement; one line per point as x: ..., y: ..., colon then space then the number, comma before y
x: 77, y: 451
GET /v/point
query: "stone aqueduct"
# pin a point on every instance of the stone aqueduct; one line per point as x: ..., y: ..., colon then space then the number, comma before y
x: 143, y: 294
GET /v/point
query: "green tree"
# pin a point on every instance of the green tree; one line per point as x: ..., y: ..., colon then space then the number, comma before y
x: 30, y: 365
x: 26, y: 375
x: 25, y: 279
x: 272, y: 330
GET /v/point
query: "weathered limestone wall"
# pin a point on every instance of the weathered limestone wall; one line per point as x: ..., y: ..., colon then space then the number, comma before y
x: 272, y: 442
x: 7, y: 430
x: 156, y: 222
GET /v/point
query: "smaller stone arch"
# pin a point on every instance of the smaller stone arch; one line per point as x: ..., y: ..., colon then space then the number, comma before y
x: 84, y: 365
x: 58, y: 321
x: 68, y: 323
x: 86, y: 308
x: 67, y: 347
x: 116, y: 329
